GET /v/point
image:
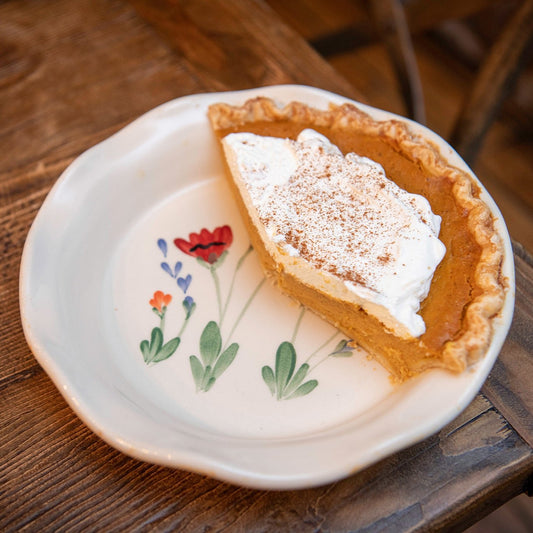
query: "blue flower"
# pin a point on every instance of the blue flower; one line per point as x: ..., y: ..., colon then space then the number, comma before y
x: 189, y: 305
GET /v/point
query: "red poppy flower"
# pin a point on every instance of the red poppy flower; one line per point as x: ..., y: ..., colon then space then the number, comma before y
x: 160, y: 300
x: 207, y: 245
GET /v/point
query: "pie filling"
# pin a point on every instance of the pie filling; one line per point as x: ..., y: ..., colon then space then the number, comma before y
x: 388, y: 242
x: 343, y: 217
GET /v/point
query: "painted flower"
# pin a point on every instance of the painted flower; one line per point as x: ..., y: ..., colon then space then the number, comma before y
x: 188, y: 305
x: 160, y: 300
x: 207, y: 245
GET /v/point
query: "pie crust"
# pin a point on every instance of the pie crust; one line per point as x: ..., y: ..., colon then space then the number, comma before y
x: 467, y: 290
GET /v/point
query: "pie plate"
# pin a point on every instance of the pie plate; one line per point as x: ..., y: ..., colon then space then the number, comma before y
x: 142, y: 299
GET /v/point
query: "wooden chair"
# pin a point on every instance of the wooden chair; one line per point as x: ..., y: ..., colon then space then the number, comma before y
x: 397, y: 20
x: 494, y: 80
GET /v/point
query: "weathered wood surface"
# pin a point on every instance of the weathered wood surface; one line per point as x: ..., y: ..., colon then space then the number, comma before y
x: 73, y: 73
x: 509, y: 385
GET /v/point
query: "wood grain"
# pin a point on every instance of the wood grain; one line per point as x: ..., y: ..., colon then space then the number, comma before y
x: 228, y: 49
x: 61, y: 476
x: 76, y: 73
x: 509, y: 384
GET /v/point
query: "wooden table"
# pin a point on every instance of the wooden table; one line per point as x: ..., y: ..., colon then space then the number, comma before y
x: 72, y: 73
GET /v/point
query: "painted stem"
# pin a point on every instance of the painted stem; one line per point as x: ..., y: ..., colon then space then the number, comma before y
x: 297, y: 326
x: 183, y: 326
x: 243, y: 311
x: 321, y: 347
x: 230, y: 292
x: 318, y: 363
x: 219, y: 297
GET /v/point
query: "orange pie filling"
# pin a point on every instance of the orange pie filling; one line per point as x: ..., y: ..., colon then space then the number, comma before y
x: 466, y: 289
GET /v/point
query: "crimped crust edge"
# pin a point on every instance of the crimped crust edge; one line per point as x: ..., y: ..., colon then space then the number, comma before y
x: 471, y: 345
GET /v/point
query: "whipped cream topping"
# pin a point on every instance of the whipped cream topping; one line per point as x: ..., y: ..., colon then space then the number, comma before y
x: 342, y: 215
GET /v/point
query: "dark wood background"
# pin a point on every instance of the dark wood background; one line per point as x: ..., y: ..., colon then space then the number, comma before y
x: 72, y: 73
x: 452, y: 39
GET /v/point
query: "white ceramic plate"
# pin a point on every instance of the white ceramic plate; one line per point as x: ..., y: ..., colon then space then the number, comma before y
x: 103, y: 245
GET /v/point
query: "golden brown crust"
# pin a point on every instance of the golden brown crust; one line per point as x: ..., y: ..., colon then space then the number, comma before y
x: 476, y: 332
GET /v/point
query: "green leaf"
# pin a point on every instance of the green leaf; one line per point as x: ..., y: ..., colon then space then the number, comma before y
x: 210, y: 343
x: 208, y: 373
x: 156, y: 341
x: 296, y: 380
x: 167, y: 350
x: 145, y: 349
x: 285, y: 363
x: 225, y: 359
x: 197, y: 370
x: 269, y: 379
x: 210, y: 383
x: 304, y: 389
x: 342, y: 349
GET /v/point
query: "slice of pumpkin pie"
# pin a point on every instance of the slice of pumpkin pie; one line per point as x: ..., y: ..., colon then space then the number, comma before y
x: 367, y: 224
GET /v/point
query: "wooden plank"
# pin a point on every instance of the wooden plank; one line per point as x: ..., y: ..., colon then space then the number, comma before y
x: 509, y: 384
x: 228, y: 49
x: 515, y: 516
x: 58, y: 475
x: 95, y: 67
x: 15, y: 221
x: 422, y: 478
x: 315, y: 18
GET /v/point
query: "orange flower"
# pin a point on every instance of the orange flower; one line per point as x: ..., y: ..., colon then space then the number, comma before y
x: 160, y: 300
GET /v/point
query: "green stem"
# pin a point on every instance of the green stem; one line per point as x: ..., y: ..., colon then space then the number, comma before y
x: 319, y: 363
x: 230, y: 292
x: 244, y: 309
x: 162, y: 323
x: 182, y: 329
x: 297, y: 326
x: 217, y: 287
x: 322, y: 346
